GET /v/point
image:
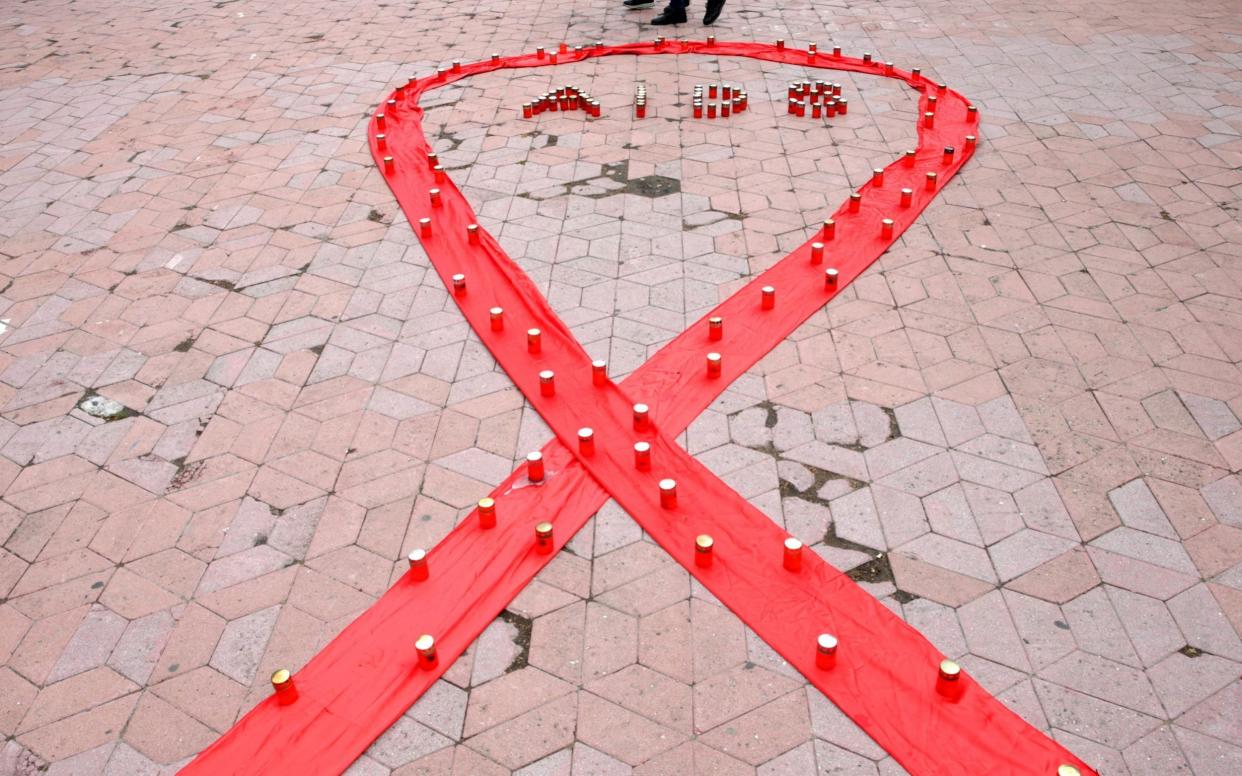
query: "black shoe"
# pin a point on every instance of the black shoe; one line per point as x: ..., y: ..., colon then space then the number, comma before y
x: 670, y: 17
x: 714, y: 7
x: 634, y: 4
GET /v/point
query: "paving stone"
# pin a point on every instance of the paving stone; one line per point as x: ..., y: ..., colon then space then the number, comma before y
x: 442, y: 708
x: 1182, y: 681
x: 649, y: 693
x: 1097, y: 720
x: 1215, y: 549
x: 406, y: 741
x: 1208, y: 755
x: 990, y: 631
x: 1137, y: 576
x: 530, y: 736
x: 97, y: 635
x: 1224, y: 496
x: 1147, y: 548
x: 21, y: 694
x: 494, y: 651
x: 1043, y: 510
x: 611, y: 641
x: 856, y: 519
x: 204, y: 694
x: 557, y: 642
x: 949, y: 514
x: 831, y: 725
x: 1015, y: 555
x: 509, y: 696
x: 798, y: 760
x: 1152, y: 630
x: 834, y: 759
x: 1060, y: 579
x: 555, y: 764
x: 693, y: 757
x: 929, y: 581
x: 835, y: 425
x: 796, y: 474
x: 588, y: 760
x: 961, y: 423
x: 621, y: 734
x: 1100, y: 755
x: 665, y: 641
x: 1204, y: 624
x: 901, y: 515
x: 998, y: 514
x: 1022, y: 699
x: 805, y: 520
x: 163, y: 733
x: 734, y: 693
x: 1157, y: 752
x: 1106, y: 680
x: 1138, y: 509
x: 895, y: 455
x: 1042, y: 627
x: 925, y: 477
x: 1097, y: 629
x: 917, y: 420
x: 946, y: 553
x: 763, y: 733
x: 91, y: 761
x: 79, y: 693
x: 1213, y: 416
x: 1032, y: 399
x: 873, y: 424
x: 242, y: 644
x: 1217, y: 715
x: 831, y: 458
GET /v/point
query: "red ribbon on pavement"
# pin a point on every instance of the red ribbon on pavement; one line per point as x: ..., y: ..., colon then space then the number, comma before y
x: 883, y: 674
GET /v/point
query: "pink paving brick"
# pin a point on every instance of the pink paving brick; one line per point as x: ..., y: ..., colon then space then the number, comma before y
x: 1032, y: 401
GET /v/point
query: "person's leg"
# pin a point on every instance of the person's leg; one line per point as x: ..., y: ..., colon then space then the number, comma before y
x: 714, y: 7
x: 674, y: 13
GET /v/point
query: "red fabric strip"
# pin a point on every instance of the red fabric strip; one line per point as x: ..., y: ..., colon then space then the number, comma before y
x: 884, y: 676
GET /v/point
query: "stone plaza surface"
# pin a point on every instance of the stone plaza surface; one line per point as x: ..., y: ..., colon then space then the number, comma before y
x: 1019, y: 429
